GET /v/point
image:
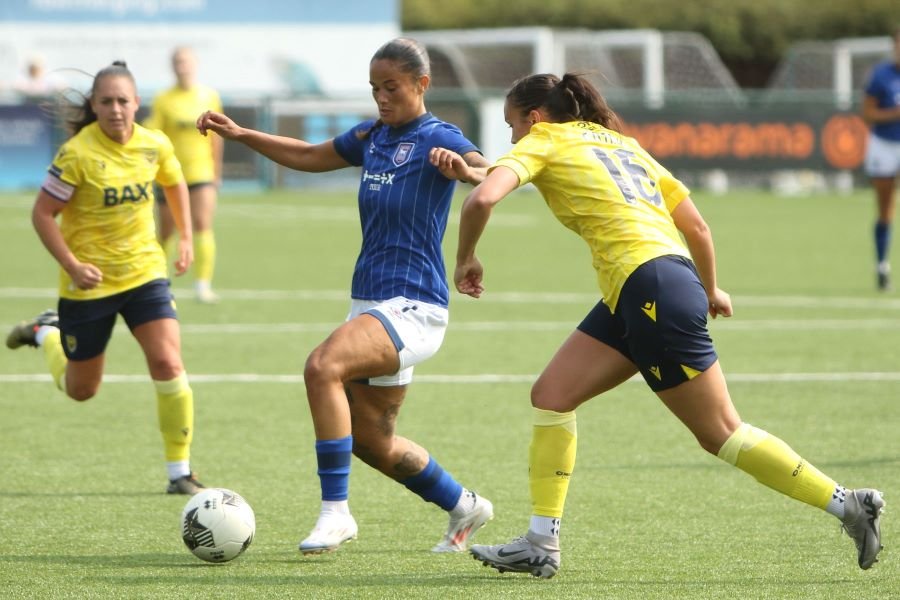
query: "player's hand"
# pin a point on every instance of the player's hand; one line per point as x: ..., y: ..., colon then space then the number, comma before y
x: 85, y: 276
x: 720, y: 304
x: 217, y: 123
x: 185, y: 256
x: 449, y: 163
x: 468, y: 276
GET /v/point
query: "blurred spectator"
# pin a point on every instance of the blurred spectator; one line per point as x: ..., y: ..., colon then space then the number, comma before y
x: 35, y: 82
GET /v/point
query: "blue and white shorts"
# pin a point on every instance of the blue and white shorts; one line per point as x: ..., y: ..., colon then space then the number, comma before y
x: 416, y: 328
x: 882, y: 157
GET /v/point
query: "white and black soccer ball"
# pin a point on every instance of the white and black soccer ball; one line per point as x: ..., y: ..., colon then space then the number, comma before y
x: 217, y: 525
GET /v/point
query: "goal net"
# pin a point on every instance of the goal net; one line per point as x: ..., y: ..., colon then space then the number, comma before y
x: 652, y: 66
x: 839, y: 67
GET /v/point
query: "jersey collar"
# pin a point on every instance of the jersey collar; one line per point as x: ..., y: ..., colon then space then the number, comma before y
x: 404, y: 129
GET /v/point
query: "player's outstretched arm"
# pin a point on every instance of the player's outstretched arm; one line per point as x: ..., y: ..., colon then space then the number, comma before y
x: 289, y: 152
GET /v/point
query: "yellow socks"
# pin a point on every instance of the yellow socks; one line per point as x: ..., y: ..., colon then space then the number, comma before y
x: 175, y: 407
x: 204, y: 255
x: 774, y: 464
x: 551, y: 460
x: 55, y: 357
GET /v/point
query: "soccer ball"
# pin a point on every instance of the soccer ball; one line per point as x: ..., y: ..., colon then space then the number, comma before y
x: 217, y: 525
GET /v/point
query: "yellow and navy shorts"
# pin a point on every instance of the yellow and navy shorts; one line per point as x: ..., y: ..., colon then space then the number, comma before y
x: 86, y: 325
x: 659, y: 323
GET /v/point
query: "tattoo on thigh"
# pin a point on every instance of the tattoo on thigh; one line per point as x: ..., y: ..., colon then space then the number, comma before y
x: 388, y: 420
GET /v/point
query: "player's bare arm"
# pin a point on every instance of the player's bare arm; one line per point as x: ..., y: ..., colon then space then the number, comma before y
x: 85, y: 276
x: 476, y: 212
x: 699, y: 241
x: 872, y: 113
x: 469, y: 168
x: 289, y: 152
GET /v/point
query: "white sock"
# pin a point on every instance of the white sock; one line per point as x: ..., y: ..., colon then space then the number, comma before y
x: 42, y: 332
x: 836, y: 505
x: 178, y: 469
x: 546, y: 526
x: 340, y: 507
x: 464, y: 504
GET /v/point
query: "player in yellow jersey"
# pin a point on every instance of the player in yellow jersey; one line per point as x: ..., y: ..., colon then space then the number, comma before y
x: 656, y: 295
x: 174, y: 112
x: 100, y: 185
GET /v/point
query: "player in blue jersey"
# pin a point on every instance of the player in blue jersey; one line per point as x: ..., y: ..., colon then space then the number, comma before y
x: 356, y: 379
x: 881, y: 109
x: 657, y: 291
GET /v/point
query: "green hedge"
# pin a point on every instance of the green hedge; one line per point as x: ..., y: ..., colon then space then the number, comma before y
x: 749, y: 35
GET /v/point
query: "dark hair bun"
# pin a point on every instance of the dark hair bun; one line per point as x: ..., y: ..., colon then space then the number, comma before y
x: 120, y: 63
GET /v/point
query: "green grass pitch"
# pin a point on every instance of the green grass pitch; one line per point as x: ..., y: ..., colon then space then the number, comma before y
x: 811, y: 355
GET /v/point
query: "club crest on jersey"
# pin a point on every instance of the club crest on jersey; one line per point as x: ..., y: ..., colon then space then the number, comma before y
x: 404, y: 151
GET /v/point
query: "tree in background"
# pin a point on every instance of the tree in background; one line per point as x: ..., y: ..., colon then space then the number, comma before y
x: 751, y: 36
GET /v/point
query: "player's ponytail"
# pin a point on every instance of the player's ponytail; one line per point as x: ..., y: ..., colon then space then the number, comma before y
x: 572, y: 98
x: 81, y: 114
x: 575, y: 98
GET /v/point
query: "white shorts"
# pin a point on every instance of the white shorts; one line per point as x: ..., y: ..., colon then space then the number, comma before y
x: 882, y: 157
x: 416, y: 328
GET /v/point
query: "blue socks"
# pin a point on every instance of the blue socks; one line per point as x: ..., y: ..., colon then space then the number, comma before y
x: 435, y: 485
x: 882, y: 240
x: 333, y: 457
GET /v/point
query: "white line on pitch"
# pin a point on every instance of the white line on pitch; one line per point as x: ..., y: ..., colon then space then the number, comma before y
x: 836, y: 302
x: 471, y: 379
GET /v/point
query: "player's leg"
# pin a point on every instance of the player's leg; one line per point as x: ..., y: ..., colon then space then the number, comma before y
x: 882, y: 164
x: 73, y: 343
x: 150, y: 315
x: 884, y: 195
x: 356, y: 350
x: 704, y: 406
x: 203, y: 208
x: 374, y: 410
x: 376, y: 348
x: 583, y: 367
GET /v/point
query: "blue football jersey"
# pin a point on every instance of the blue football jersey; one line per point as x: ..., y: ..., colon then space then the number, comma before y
x: 403, y: 206
x: 884, y: 85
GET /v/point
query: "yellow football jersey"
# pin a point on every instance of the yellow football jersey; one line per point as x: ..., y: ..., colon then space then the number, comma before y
x: 108, y: 217
x: 175, y: 113
x: 607, y: 189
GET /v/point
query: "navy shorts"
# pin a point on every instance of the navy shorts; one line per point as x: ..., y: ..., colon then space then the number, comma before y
x: 161, y: 196
x: 86, y: 325
x: 659, y: 323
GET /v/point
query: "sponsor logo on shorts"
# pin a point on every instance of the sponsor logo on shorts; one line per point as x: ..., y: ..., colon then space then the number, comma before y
x: 649, y: 309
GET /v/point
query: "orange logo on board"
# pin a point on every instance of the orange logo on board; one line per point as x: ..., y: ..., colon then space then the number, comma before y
x: 844, y: 141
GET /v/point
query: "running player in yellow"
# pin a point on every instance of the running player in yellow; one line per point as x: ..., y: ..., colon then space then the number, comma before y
x: 174, y: 112
x: 652, y: 319
x: 101, y: 186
